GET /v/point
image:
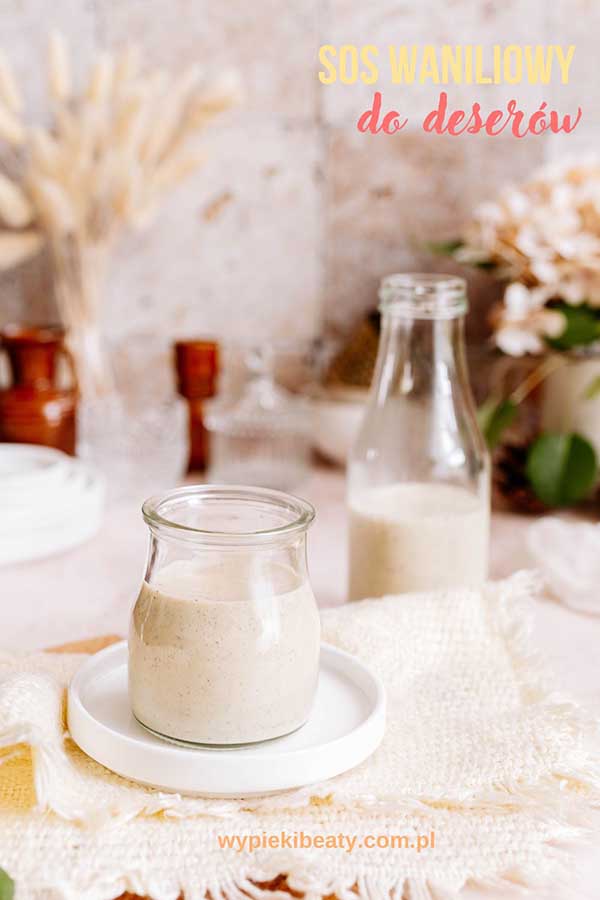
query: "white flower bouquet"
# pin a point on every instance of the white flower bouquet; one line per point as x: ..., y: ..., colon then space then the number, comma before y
x: 542, y: 240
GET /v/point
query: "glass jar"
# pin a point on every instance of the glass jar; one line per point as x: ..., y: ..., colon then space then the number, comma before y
x: 264, y: 437
x: 224, y: 637
x: 418, y: 475
x: 138, y: 414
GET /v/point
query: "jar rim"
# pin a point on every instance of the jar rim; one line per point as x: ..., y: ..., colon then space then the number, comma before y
x: 423, y: 295
x: 301, y: 512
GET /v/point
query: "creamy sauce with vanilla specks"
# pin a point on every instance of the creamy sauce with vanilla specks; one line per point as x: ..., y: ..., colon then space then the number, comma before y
x: 225, y: 653
x: 416, y: 537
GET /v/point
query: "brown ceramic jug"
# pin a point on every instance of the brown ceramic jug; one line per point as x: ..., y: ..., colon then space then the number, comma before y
x: 33, y: 408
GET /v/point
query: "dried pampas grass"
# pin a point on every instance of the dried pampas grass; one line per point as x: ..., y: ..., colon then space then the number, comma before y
x: 114, y: 149
x: 16, y: 247
x: 59, y: 70
x: 9, y: 93
x: 16, y: 209
x: 11, y: 128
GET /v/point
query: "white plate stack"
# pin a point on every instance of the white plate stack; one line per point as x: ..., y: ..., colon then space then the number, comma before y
x: 49, y: 502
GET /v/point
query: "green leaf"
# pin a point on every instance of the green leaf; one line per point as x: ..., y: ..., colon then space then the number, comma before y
x: 562, y: 468
x: 593, y: 389
x: 494, y: 417
x: 7, y: 886
x: 582, y: 326
x: 444, y: 248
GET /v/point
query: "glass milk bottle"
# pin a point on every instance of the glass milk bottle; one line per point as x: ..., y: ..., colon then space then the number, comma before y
x: 418, y: 475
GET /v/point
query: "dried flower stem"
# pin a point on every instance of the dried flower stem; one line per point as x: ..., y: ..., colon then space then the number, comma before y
x: 535, y: 378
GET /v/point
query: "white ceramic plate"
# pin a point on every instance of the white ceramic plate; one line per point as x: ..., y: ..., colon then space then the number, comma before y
x: 70, y: 524
x: 66, y: 499
x: 346, y: 725
x: 28, y: 468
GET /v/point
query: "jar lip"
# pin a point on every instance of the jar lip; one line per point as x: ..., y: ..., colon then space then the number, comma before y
x: 423, y: 295
x: 301, y: 512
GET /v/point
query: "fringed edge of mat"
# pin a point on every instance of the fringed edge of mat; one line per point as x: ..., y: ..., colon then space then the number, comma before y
x: 276, y: 879
x: 571, y: 792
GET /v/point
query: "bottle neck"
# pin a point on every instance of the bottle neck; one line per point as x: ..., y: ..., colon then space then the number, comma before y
x: 422, y: 424
x: 420, y: 358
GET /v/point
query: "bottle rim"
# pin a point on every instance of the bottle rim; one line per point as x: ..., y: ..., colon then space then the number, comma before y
x: 423, y: 295
x: 160, y: 513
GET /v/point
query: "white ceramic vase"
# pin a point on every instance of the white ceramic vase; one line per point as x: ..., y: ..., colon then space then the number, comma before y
x: 566, y: 404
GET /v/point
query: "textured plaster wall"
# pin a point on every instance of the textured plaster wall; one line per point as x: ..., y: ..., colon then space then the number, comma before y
x: 297, y: 215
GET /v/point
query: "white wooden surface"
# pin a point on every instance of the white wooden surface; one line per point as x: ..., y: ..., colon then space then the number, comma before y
x: 89, y: 591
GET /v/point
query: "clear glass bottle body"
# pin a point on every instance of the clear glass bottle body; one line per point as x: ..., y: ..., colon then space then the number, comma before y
x: 224, y: 637
x: 418, y: 475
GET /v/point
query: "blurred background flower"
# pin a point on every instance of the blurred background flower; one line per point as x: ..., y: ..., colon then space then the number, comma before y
x: 542, y: 239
